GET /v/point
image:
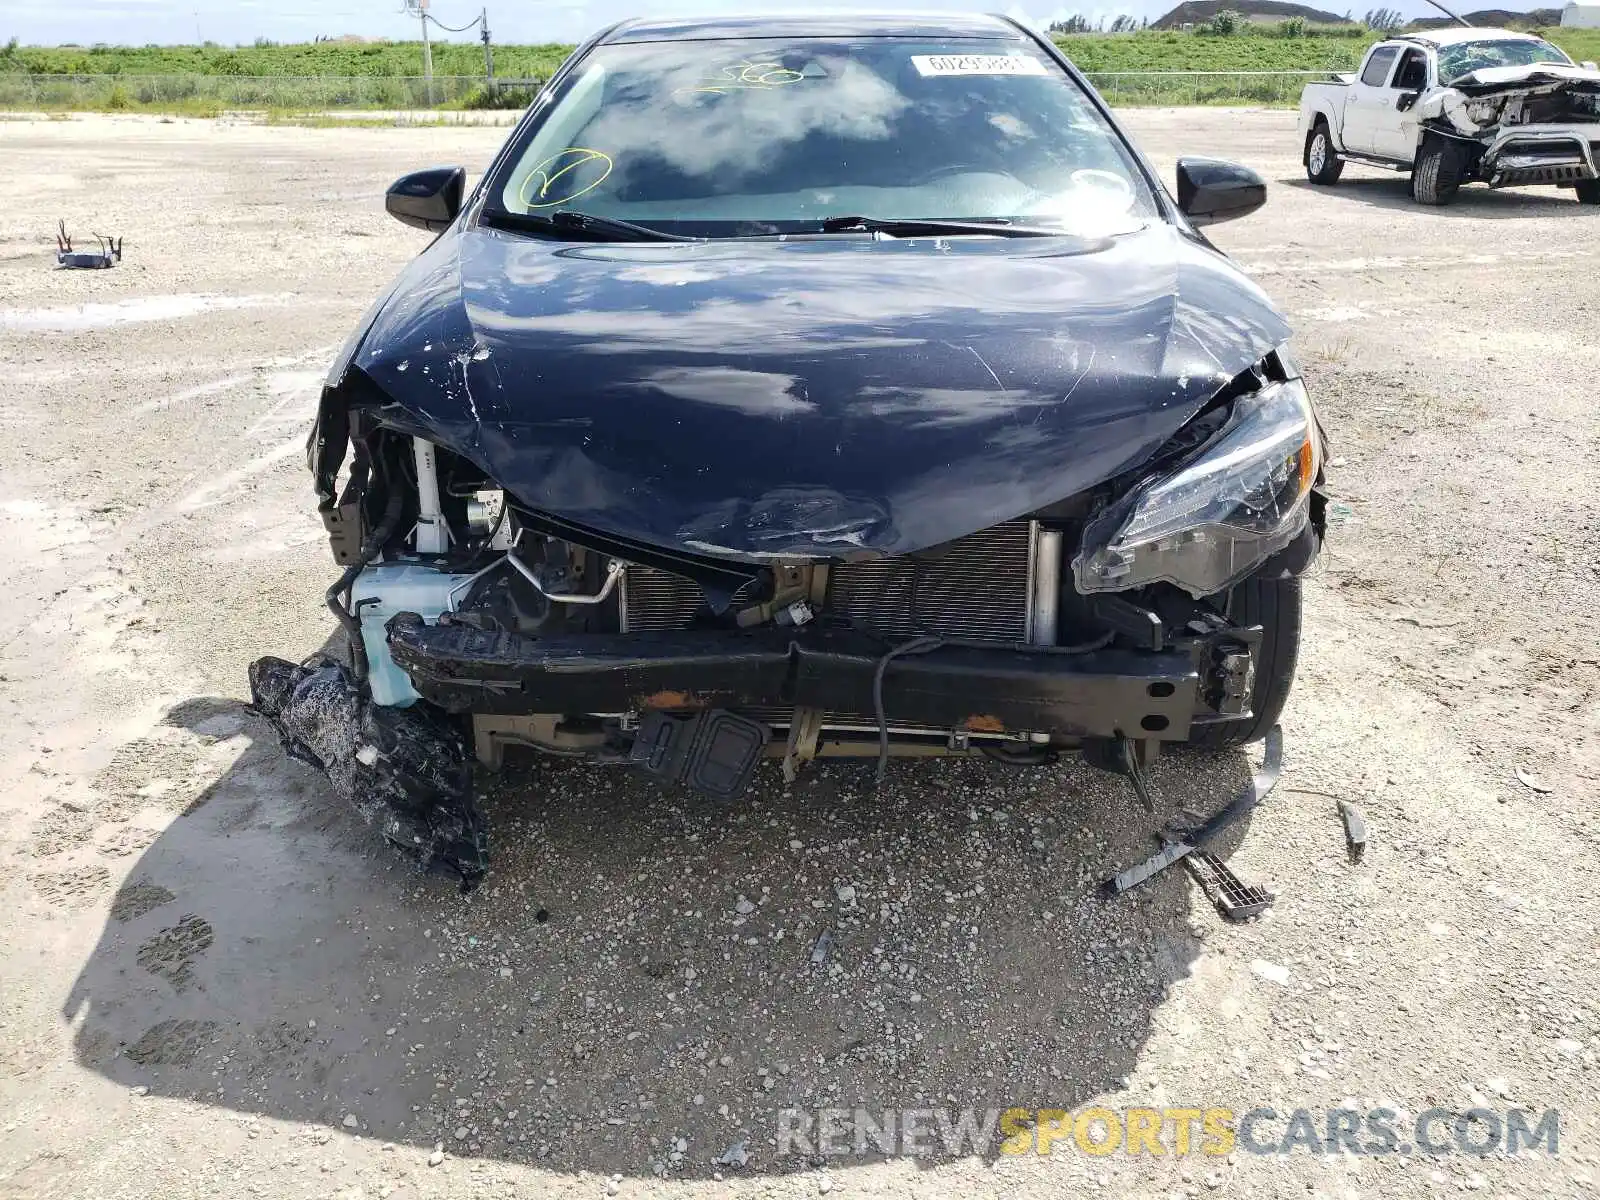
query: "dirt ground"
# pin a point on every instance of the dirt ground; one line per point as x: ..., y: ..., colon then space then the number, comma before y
x: 213, y: 981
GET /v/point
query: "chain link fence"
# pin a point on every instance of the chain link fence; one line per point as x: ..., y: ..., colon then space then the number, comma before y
x: 315, y: 93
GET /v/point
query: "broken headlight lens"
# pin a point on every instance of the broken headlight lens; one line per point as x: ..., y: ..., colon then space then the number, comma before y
x: 1208, y: 524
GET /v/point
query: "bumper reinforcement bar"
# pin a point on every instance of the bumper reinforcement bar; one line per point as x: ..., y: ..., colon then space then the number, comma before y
x: 1105, y: 693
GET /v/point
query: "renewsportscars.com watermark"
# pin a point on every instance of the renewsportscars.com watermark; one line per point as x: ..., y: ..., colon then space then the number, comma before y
x: 1161, y: 1132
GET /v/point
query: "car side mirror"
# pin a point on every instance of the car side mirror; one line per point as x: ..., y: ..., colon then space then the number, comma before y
x: 1405, y: 100
x: 427, y: 199
x: 1212, y: 190
x: 1588, y: 65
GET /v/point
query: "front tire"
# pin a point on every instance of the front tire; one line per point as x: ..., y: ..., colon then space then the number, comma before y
x: 1323, y: 165
x: 1588, y: 191
x: 1440, y: 167
x: 1273, y: 604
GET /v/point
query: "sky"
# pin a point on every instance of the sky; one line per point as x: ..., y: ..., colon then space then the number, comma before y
x: 236, y: 22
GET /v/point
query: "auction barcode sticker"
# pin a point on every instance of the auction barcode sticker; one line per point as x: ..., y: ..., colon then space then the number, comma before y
x: 976, y: 64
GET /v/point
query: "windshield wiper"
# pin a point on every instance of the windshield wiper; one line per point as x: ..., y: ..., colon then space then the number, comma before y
x: 570, y: 221
x: 994, y: 227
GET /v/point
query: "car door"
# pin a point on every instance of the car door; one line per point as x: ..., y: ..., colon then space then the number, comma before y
x: 1367, y: 98
x: 1395, y: 130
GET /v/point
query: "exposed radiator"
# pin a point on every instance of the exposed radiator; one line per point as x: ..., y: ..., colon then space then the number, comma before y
x: 654, y: 599
x: 974, y: 587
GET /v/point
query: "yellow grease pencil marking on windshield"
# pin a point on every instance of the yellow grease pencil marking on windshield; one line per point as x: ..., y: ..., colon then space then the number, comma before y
x: 546, y: 178
x: 746, y: 76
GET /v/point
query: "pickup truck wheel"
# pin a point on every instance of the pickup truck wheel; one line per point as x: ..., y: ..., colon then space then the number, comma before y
x: 1589, y: 191
x: 1437, y: 178
x: 1273, y: 604
x: 1323, y: 165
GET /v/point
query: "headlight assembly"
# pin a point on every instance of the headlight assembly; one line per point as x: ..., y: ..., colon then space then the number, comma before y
x: 1485, y: 112
x: 1209, y: 523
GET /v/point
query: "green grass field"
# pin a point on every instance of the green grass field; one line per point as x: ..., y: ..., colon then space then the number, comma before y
x: 202, y: 79
x: 1154, y: 50
x: 1163, y: 51
x: 319, y: 58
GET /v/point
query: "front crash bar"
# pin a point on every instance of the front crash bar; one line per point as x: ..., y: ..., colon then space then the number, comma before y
x: 1502, y: 156
x: 991, y: 689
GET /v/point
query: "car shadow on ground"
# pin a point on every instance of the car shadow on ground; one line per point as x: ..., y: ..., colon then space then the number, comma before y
x: 639, y: 987
x: 1393, y: 190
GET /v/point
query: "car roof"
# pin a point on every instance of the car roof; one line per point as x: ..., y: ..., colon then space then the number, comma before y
x: 1453, y: 35
x: 820, y: 24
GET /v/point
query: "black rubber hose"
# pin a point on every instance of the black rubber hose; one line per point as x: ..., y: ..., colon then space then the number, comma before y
x: 917, y: 645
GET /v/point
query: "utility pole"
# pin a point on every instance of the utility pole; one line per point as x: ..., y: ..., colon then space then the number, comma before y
x: 427, y: 49
x: 420, y: 7
x: 488, y: 50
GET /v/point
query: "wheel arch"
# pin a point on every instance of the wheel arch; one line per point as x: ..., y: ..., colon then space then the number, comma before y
x: 1323, y: 117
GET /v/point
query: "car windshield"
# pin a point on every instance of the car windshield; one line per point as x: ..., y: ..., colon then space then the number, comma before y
x: 1465, y: 57
x: 739, y: 138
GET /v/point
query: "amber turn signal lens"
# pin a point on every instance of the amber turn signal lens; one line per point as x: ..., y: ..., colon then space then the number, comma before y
x: 1306, y: 465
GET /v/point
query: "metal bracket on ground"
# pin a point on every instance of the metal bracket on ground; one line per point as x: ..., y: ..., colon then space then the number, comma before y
x: 108, y: 255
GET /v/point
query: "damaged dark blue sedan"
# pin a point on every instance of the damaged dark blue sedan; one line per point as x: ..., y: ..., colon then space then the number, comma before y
x: 821, y: 386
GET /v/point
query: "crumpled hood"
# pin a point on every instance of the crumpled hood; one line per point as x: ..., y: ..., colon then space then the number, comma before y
x: 812, y: 397
x: 1477, y: 103
x: 1487, y: 80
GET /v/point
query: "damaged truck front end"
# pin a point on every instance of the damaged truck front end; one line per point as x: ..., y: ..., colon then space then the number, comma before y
x: 1515, y: 126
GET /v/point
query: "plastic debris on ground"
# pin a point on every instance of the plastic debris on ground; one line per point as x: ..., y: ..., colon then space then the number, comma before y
x: 1355, y: 830
x: 819, y: 952
x: 1177, y: 843
x: 1532, y: 782
x: 403, y: 769
x: 1232, y: 897
x: 733, y: 1156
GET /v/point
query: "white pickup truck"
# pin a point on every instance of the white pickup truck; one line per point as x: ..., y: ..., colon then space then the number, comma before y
x: 1456, y: 105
